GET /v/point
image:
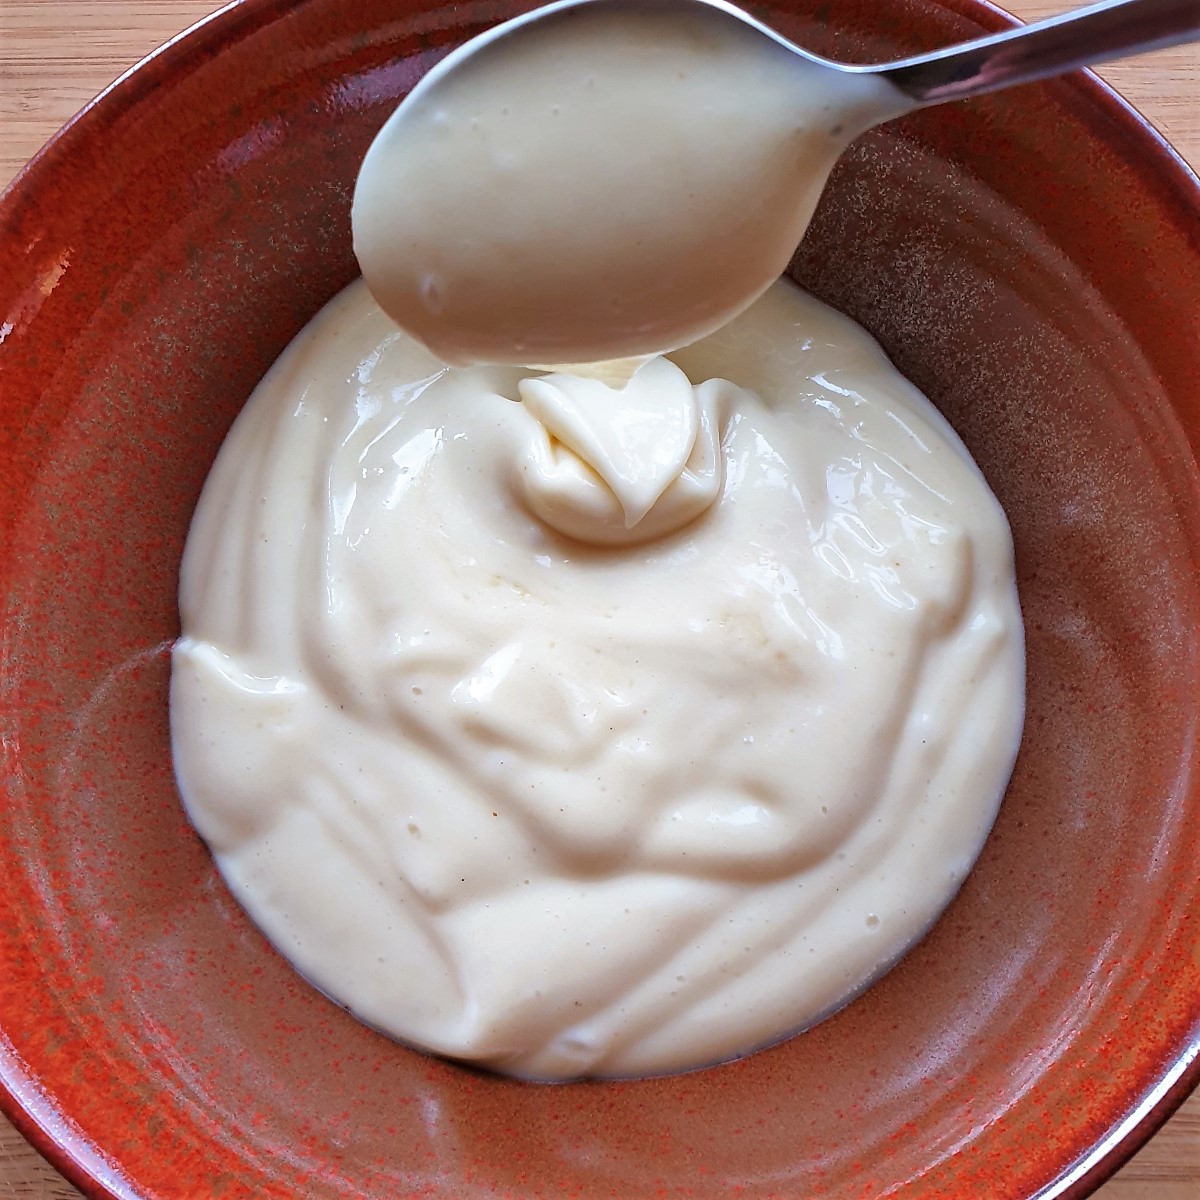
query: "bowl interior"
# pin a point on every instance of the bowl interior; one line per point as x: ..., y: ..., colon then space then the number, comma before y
x: 1028, y: 260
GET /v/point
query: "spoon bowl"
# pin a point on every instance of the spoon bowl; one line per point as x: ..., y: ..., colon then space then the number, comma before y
x: 600, y: 180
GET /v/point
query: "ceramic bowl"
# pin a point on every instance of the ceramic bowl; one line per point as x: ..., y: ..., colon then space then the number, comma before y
x: 1031, y: 260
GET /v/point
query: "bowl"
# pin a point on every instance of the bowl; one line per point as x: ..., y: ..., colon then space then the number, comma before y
x: 1030, y: 260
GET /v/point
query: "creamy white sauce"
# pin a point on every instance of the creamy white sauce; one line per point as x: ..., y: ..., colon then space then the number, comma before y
x: 619, y: 802
x: 618, y: 180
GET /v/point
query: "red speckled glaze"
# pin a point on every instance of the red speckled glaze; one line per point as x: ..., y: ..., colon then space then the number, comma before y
x: 1032, y: 260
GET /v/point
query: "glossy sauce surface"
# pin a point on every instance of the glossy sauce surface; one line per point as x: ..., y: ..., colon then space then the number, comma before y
x: 582, y: 731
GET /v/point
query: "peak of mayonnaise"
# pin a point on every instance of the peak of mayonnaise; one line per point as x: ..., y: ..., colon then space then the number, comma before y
x: 610, y: 465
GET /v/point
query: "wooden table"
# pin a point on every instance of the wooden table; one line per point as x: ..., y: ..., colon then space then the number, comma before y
x: 56, y: 54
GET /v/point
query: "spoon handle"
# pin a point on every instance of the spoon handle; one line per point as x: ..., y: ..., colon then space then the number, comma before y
x: 1097, y: 33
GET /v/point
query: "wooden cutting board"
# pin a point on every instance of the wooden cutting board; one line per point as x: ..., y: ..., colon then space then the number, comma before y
x: 56, y: 54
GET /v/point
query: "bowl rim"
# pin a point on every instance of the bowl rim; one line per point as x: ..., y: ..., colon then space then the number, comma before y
x: 52, y: 1134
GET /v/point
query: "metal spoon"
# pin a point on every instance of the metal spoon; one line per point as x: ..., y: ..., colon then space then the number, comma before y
x: 646, y: 268
x: 1096, y: 33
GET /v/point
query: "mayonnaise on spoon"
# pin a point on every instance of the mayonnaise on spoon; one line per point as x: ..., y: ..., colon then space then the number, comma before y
x: 617, y: 179
x: 604, y: 179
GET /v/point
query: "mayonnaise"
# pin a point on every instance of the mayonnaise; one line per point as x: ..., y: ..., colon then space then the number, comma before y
x: 576, y: 729
x: 619, y: 179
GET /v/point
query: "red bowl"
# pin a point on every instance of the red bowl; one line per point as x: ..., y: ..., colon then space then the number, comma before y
x: 1031, y: 260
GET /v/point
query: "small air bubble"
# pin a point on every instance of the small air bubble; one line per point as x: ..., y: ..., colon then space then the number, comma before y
x: 872, y: 921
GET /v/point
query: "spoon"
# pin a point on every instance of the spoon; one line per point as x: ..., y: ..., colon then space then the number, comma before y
x: 1093, y: 34
x: 605, y: 179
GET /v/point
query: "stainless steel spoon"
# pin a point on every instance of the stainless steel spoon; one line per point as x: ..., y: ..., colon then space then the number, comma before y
x: 1094, y: 34
x: 484, y: 243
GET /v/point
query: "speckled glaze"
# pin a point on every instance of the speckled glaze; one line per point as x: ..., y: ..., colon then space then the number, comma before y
x: 1031, y: 260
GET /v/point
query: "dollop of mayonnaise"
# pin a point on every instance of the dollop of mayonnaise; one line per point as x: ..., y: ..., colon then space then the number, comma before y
x: 575, y: 727
x: 614, y: 465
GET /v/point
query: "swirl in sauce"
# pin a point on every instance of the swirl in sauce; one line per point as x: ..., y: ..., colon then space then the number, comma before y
x: 576, y: 726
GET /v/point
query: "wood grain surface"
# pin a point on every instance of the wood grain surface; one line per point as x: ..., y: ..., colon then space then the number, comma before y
x: 56, y: 54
